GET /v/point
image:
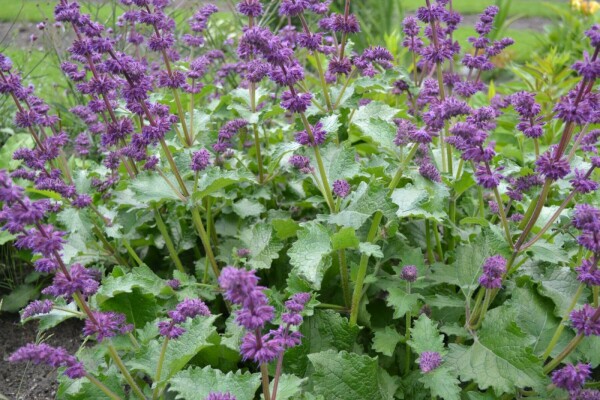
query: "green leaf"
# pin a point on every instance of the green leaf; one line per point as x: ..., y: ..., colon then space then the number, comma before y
x: 424, y: 336
x: 215, y: 179
x: 442, y: 383
x: 309, y: 255
x: 365, y: 201
x: 370, y: 249
x: 139, y: 308
x: 560, y: 285
x: 379, y: 131
x: 248, y: 208
x: 180, y: 351
x: 263, y: 245
x: 339, y: 162
x: 386, y: 340
x: 548, y: 252
x: 500, y: 357
x: 345, y: 238
x: 401, y: 301
x: 120, y: 282
x: 196, y: 383
x: 285, y: 228
x: 324, y: 330
x: 280, y: 150
x: 424, y: 199
x: 19, y: 298
x: 289, y: 386
x: 13, y: 143
x: 347, y: 376
x: 55, y: 317
x: 535, y: 315
x: 149, y: 188
x: 467, y: 268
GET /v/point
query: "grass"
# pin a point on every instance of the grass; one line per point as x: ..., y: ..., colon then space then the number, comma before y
x: 526, y: 8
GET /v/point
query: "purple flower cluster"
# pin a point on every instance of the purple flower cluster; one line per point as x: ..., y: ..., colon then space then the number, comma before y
x: 241, y: 288
x: 341, y: 188
x: 54, y: 357
x: 572, y: 377
x: 429, y: 361
x: 315, y: 137
x: 586, y: 218
x: 226, y: 134
x: 301, y: 163
x: 586, y: 320
x: 221, y: 396
x: 494, y: 269
x: 409, y: 273
x: 106, y: 325
x: 37, y: 307
x: 188, y: 308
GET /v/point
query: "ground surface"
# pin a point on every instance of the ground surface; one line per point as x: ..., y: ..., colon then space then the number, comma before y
x: 31, y: 382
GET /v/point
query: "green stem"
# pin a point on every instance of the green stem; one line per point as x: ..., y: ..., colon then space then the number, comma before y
x: 407, y: 335
x: 537, y: 205
x: 595, y: 292
x: 430, y: 256
x: 484, y: 308
x: 344, y: 277
x: 339, y: 99
x: 205, y: 240
x: 103, y: 387
x: 362, y: 270
x: 261, y: 172
x: 561, y: 326
x: 452, y: 215
x: 322, y: 173
x: 503, y: 219
x: 132, y: 253
x: 476, y: 308
x: 402, y: 168
x: 438, y: 241
x: 164, y: 231
x: 332, y: 307
x: 174, y: 168
x: 159, y: 366
x: 115, y: 357
x: 570, y: 347
x: 264, y: 373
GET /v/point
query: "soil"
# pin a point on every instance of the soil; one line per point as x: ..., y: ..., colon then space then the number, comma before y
x: 28, y: 381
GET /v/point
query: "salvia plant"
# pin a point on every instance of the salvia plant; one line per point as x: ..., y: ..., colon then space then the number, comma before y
x: 253, y: 207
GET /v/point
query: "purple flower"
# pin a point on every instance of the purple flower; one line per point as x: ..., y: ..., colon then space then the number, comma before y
x: 487, y: 178
x: 429, y: 361
x: 220, y: 396
x: 295, y: 102
x: 188, y: 308
x: 594, y: 35
x: 571, y: 377
x: 341, y: 188
x: 291, y: 8
x: 586, y: 217
x: 37, y: 307
x: 52, y: 356
x: 585, y: 321
x: 589, y: 272
x: 78, y: 279
x: 301, y: 163
x: 341, y: 24
x: 409, y: 273
x: 174, y: 284
x: 582, y: 184
x: 81, y: 201
x: 318, y: 134
x: 494, y: 269
x: 200, y: 160
x: 551, y: 167
x: 106, y: 325
x: 250, y: 8
x: 243, y: 252
x: 429, y: 171
x: 260, y: 349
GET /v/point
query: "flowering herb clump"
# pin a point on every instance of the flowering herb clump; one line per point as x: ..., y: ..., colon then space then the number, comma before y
x: 264, y: 201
